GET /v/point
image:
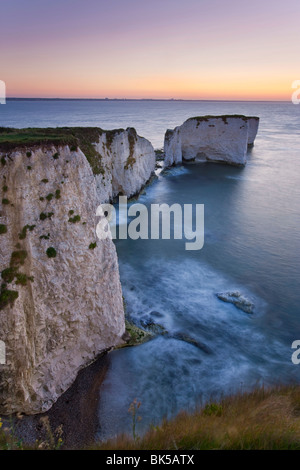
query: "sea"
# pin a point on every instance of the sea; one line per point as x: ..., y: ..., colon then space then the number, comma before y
x: 210, y: 348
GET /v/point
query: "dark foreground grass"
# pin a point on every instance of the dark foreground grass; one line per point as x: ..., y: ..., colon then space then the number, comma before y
x: 265, y: 419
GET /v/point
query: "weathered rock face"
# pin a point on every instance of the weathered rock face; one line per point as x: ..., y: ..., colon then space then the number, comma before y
x: 128, y: 162
x: 253, y: 123
x: 211, y: 138
x: 69, y: 307
x: 60, y: 299
x: 173, y: 147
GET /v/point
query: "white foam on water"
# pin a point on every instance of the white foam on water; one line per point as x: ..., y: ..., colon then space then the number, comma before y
x: 241, y: 178
x: 168, y: 374
x: 176, y: 171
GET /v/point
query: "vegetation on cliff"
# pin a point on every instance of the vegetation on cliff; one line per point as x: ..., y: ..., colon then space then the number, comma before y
x: 83, y: 137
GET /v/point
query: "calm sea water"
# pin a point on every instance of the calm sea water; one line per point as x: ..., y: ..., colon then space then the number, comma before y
x: 252, y: 244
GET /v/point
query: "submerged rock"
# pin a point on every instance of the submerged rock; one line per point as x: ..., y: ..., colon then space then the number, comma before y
x: 238, y: 300
x: 188, y: 339
x: 156, y: 314
x: 211, y: 138
x: 154, y: 328
x: 134, y: 335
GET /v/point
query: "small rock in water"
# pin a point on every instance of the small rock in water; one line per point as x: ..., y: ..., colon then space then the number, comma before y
x: 134, y: 335
x: 238, y: 300
x: 188, y: 339
x: 156, y: 314
x: 153, y: 327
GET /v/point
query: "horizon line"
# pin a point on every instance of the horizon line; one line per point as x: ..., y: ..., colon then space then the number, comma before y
x: 141, y: 99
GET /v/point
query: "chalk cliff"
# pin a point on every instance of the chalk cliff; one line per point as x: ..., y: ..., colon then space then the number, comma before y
x: 128, y: 162
x: 253, y: 123
x: 60, y: 300
x: 211, y: 138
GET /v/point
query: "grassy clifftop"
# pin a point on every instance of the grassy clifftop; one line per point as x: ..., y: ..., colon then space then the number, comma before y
x: 82, y: 137
x: 19, y: 138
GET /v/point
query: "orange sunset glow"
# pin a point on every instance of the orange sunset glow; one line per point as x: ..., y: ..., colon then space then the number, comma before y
x: 183, y: 50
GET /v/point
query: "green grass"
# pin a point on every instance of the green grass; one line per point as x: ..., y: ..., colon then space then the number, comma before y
x: 135, y: 335
x: 22, y: 278
x: 3, y: 229
x: 23, y: 233
x: 132, y: 137
x: 44, y: 216
x: 223, y: 117
x: 82, y: 137
x: 8, y: 274
x: 75, y: 137
x: 7, y: 297
x: 13, y: 138
x: 45, y: 237
x: 75, y: 219
x: 51, y: 252
x: 110, y: 135
x: 18, y: 258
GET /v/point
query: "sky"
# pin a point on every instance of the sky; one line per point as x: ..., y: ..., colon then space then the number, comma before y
x: 182, y: 49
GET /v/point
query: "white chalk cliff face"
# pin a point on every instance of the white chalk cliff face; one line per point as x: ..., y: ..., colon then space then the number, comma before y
x: 253, y: 123
x: 211, y: 138
x: 61, y: 299
x: 127, y: 160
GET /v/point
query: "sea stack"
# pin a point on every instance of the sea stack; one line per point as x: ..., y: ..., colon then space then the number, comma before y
x: 211, y: 138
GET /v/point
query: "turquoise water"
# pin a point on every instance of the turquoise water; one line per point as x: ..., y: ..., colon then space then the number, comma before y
x: 252, y: 244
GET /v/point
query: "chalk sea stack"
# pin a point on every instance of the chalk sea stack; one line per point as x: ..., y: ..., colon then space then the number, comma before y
x: 211, y: 138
